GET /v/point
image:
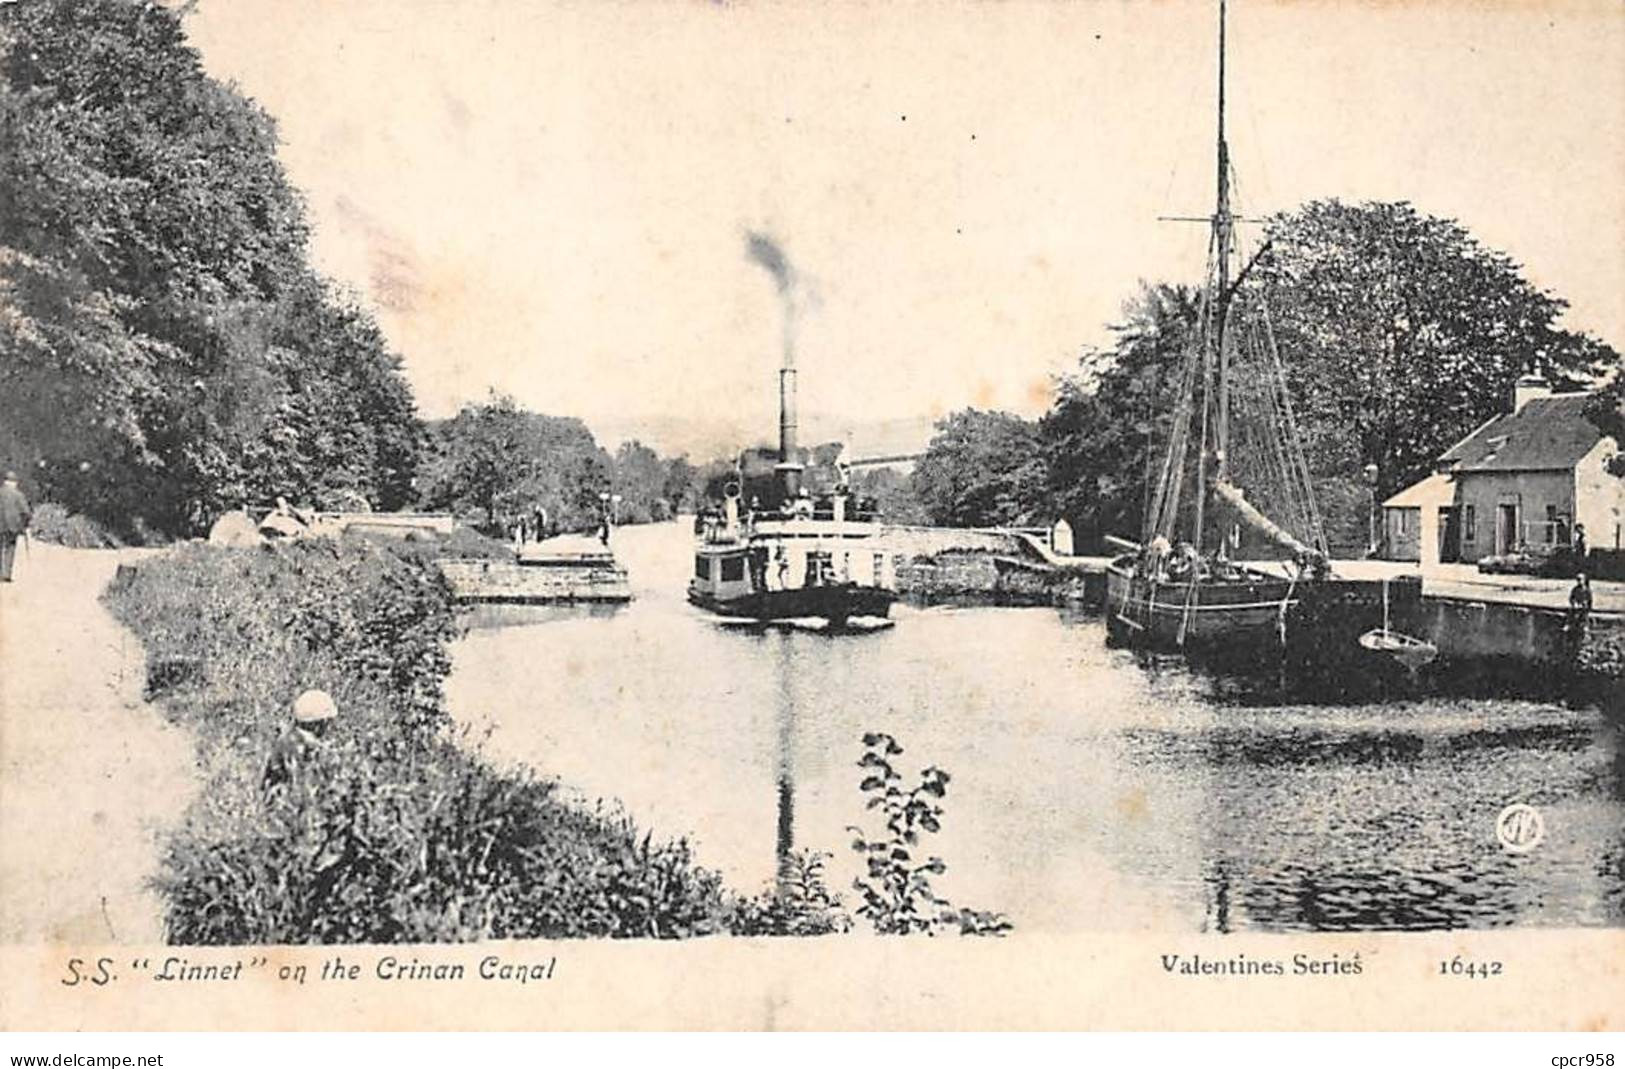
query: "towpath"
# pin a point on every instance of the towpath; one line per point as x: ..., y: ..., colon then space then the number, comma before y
x: 1464, y: 582
x: 90, y: 775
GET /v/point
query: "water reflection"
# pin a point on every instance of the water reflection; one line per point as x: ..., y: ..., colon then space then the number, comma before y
x: 1091, y: 789
x: 788, y: 704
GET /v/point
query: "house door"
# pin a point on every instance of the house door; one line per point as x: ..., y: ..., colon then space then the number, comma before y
x: 1506, y: 529
x: 1449, y: 535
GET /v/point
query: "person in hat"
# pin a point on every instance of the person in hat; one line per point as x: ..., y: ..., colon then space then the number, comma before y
x: 14, y: 517
x: 313, y: 712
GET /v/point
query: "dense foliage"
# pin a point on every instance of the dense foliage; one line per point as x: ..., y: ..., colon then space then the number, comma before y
x: 1402, y: 333
x: 982, y: 468
x: 1607, y: 410
x: 498, y: 462
x: 896, y: 888
x: 166, y: 351
x: 1104, y: 432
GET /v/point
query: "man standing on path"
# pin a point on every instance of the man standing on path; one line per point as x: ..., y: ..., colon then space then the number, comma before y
x: 14, y: 517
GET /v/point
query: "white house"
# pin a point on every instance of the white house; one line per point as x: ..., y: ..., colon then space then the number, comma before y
x: 1524, y: 479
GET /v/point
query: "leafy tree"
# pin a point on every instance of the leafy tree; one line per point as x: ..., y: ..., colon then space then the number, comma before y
x: 153, y: 267
x: 500, y: 461
x: 893, y: 494
x: 1104, y: 433
x: 982, y: 469
x: 639, y: 477
x: 896, y: 887
x: 1402, y: 333
x: 1606, y: 409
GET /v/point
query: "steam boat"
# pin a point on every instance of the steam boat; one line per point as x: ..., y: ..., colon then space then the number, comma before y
x: 1180, y: 587
x: 790, y: 540
x: 811, y: 560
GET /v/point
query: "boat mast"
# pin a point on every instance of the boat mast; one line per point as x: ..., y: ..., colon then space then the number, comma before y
x: 1215, y: 353
x: 1223, y: 225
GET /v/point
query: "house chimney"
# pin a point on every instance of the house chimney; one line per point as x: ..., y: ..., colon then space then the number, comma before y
x: 1531, y: 386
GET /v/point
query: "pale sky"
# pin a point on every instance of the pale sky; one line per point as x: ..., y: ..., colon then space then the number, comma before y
x: 552, y: 199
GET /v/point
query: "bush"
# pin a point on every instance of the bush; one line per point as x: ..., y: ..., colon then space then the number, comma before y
x: 393, y: 828
x: 463, y: 542
x: 53, y: 523
x: 800, y: 903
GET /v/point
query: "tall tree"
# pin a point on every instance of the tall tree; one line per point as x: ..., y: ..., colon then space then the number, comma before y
x: 892, y: 491
x: 1402, y: 332
x: 153, y: 267
x: 500, y: 461
x: 1103, y: 434
x: 982, y: 469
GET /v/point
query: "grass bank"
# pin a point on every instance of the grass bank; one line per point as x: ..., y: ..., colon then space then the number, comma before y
x: 397, y: 831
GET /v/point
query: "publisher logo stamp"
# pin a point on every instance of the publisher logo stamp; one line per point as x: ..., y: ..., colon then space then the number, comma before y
x: 1520, y: 828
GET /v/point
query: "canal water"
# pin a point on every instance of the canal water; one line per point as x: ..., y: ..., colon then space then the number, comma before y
x: 1092, y: 789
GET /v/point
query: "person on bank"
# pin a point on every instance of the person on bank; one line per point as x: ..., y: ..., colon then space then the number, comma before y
x: 14, y: 517
x: 313, y: 713
x: 1579, y: 603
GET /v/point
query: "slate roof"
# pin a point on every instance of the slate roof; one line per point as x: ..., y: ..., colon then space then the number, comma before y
x: 1547, y: 434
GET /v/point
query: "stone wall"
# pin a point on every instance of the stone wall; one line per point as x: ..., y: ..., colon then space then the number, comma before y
x: 493, y: 581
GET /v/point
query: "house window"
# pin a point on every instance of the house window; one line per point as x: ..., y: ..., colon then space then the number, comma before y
x: 1469, y: 524
x: 1557, y: 527
x: 733, y: 569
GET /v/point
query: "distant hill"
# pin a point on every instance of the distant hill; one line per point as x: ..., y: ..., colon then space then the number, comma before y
x: 707, y: 437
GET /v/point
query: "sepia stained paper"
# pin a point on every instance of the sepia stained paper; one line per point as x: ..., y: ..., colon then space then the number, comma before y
x: 552, y: 200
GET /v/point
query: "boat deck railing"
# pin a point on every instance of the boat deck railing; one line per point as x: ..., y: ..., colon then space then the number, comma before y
x: 778, y: 525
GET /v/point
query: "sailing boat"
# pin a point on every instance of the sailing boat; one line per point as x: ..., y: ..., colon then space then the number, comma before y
x: 1414, y: 653
x: 1233, y: 427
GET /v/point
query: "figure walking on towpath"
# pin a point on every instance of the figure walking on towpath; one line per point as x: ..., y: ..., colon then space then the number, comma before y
x: 14, y: 517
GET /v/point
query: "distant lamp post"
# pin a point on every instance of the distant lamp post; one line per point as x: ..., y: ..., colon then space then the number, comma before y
x: 1370, y: 474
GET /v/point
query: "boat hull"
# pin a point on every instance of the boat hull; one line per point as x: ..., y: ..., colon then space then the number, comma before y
x: 1307, y: 635
x: 1243, y: 615
x: 835, y: 602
